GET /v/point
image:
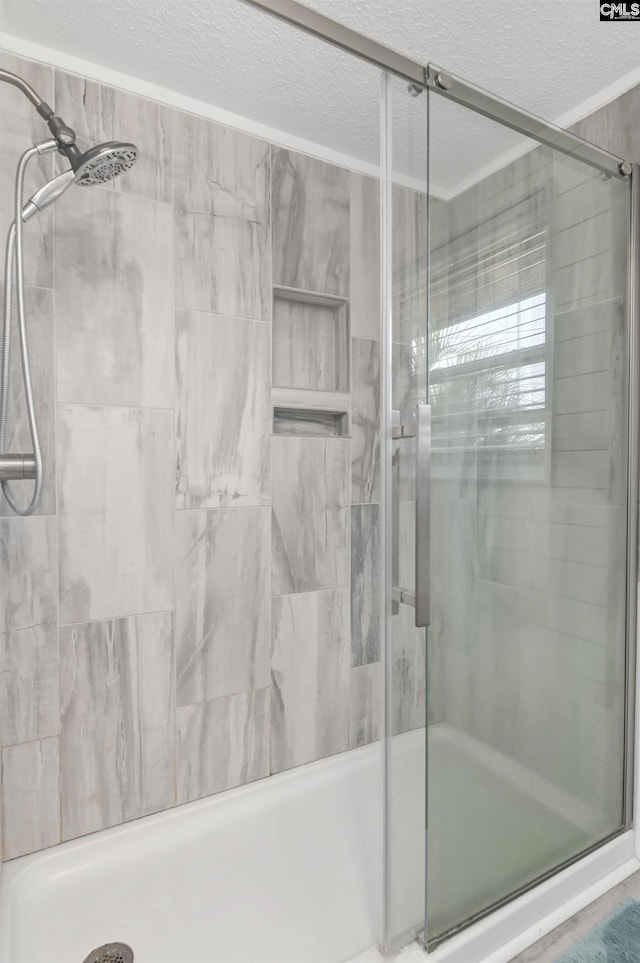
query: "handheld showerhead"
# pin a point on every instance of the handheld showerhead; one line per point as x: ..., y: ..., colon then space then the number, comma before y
x: 95, y: 166
x: 102, y: 162
x: 47, y: 194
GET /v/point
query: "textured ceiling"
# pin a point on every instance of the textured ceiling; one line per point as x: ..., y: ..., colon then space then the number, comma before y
x: 547, y: 56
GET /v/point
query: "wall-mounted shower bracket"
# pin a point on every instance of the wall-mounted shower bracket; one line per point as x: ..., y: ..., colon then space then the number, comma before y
x: 17, y: 467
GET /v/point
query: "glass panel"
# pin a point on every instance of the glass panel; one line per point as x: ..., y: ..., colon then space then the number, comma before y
x: 526, y: 358
x: 405, y: 232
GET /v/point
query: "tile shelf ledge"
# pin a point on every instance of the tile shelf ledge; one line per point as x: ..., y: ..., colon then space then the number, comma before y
x: 299, y: 411
x: 283, y: 293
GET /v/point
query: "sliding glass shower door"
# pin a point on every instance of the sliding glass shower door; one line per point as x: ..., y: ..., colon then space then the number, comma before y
x: 509, y: 318
x: 492, y: 497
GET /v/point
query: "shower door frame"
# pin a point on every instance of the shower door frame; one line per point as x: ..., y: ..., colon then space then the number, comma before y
x: 442, y: 82
x: 523, y: 918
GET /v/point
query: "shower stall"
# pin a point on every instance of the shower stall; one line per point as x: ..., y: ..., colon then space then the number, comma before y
x: 341, y: 489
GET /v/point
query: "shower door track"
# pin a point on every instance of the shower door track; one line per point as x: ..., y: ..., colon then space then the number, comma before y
x: 444, y: 83
x: 516, y: 894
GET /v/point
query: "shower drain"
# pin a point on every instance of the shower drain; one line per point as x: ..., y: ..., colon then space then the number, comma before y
x: 111, y: 953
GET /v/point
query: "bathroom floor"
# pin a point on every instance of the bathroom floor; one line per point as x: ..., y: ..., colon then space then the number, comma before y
x: 550, y: 947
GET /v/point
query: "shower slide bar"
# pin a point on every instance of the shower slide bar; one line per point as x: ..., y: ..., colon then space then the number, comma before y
x: 442, y: 82
x: 17, y: 467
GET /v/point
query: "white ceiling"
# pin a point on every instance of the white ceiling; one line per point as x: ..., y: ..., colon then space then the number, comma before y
x: 548, y: 56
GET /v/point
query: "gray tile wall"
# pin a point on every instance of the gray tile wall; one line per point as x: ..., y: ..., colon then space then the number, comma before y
x: 326, y: 493
x: 311, y: 224
x: 117, y: 696
x: 176, y: 619
x: 208, y: 586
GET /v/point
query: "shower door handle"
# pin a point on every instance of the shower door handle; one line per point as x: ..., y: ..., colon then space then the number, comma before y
x: 396, y: 433
x: 423, y: 514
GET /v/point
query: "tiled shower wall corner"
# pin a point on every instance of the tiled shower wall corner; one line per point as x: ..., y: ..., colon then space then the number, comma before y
x: 193, y: 606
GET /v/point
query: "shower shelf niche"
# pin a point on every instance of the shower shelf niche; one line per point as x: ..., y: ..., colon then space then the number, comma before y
x: 322, y: 414
x: 310, y: 364
x: 310, y: 341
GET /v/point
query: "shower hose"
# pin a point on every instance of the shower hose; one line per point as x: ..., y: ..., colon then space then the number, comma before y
x: 15, y: 257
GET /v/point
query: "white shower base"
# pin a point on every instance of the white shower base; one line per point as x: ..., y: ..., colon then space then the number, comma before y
x: 286, y: 870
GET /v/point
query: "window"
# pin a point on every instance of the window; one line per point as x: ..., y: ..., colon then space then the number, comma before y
x: 487, y: 368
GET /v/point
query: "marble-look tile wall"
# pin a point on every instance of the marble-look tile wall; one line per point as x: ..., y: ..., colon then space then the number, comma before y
x: 194, y: 606
x: 326, y: 514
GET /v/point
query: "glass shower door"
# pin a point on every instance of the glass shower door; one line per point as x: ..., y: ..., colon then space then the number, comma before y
x: 507, y: 315
x: 526, y: 360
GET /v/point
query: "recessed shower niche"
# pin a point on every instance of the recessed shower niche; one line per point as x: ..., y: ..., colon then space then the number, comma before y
x: 310, y: 340
x: 311, y: 363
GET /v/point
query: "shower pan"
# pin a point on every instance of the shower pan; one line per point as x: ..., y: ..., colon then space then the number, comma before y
x: 509, y: 469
